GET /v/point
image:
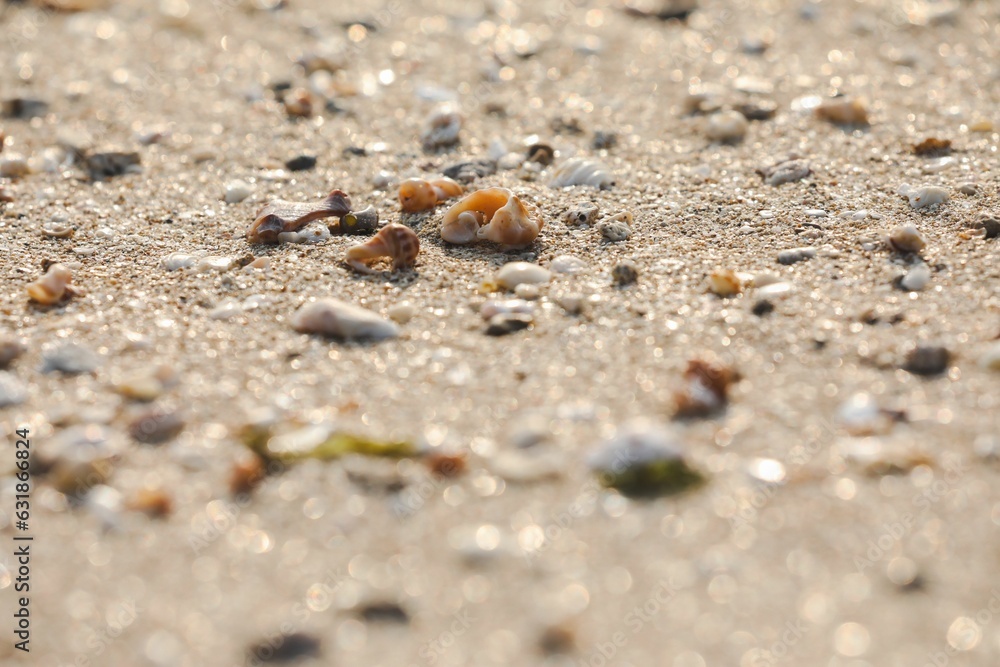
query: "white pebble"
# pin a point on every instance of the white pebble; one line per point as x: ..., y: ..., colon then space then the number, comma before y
x: 927, y: 196
x: 237, y: 191
x: 860, y: 415
x: 214, y: 263
x: 226, y: 310
x: 402, y: 312
x: 14, y: 166
x: 177, y: 260
x: 339, y: 319
x: 513, y: 274
x: 495, y: 307
x: 568, y: 264
x: 12, y: 390
x: 726, y: 126
x: 916, y: 278
x: 816, y: 213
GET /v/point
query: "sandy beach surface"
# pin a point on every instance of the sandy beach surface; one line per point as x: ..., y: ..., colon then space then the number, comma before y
x: 849, y: 514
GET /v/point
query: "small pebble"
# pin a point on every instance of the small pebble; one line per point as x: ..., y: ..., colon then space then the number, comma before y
x: 617, y: 228
x: 513, y: 274
x: 572, y: 302
x: 762, y: 307
x: 12, y: 390
x: 527, y: 292
x: 508, y: 323
x: 585, y: 214
x: 10, y: 350
x: 794, y: 255
x: 441, y: 128
x: 402, y: 312
x: 14, y: 166
x: 758, y: 109
x: 932, y: 146
x: 298, y: 103
x: 568, y: 265
x: 71, y: 359
x: 843, y: 111
x: 860, y: 415
x: 725, y: 283
x: 156, y: 426
x: 57, y: 230
x: 214, y: 263
x: 927, y: 360
x: 928, y: 195
x: 906, y: 239
x: 625, y: 273
x: 991, y: 358
x: 604, y: 140
x: 705, y: 390
x: 301, y: 163
x: 989, y: 224
x: 293, y: 647
x: 916, y: 278
x: 787, y: 171
x: 470, y: 170
x: 177, y: 260
x: 970, y: 189
x: 23, y: 108
x: 494, y: 307
x: 112, y: 163
x: 237, y: 191
x: 342, y: 320
x: 726, y: 126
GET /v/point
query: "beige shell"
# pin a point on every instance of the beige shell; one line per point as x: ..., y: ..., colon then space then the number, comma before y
x: 843, y: 111
x: 493, y: 214
x: 398, y: 242
x: 281, y: 216
x: 53, y: 286
x: 417, y: 194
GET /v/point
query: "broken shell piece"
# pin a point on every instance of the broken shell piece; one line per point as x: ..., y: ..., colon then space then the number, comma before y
x: 916, y: 278
x: 493, y: 214
x: 495, y: 307
x: 112, y: 163
x: 177, y: 260
x: 398, y: 242
x: 513, y: 274
x: 441, y: 128
x: 53, y: 286
x: 416, y: 194
x: 568, y: 264
x: 617, y: 227
x: 725, y: 282
x: 582, y: 171
x: 787, y: 171
x: 706, y: 389
x: 907, y: 239
x: 283, y: 216
x: 364, y: 221
x: 57, y: 230
x: 339, y: 319
x: 644, y: 459
x: 585, y: 214
x: 843, y: 111
x: 925, y: 196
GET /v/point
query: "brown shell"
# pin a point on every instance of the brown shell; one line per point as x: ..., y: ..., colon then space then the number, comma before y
x: 398, y: 242
x: 284, y: 216
x: 503, y: 217
x: 417, y: 194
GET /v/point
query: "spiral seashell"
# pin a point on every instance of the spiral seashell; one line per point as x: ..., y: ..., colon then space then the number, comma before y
x: 416, y: 194
x: 281, y: 216
x: 494, y: 214
x: 398, y: 242
x: 53, y: 286
x: 582, y: 171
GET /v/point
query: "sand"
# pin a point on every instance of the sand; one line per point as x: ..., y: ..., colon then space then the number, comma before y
x: 832, y: 561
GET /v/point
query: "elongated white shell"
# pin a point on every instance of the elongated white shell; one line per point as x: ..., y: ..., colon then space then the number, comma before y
x: 513, y: 274
x: 582, y: 171
x: 339, y: 319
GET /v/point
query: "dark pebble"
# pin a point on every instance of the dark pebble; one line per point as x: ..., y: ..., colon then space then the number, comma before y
x: 384, y: 612
x: 71, y: 359
x: 501, y: 325
x: 927, y: 360
x: 466, y: 172
x: 625, y: 273
x: 22, y: 108
x: 284, y: 649
x: 604, y: 140
x: 106, y: 165
x: 155, y: 427
x: 762, y: 308
x: 758, y: 109
x: 543, y: 154
x: 991, y: 225
x: 356, y: 151
x: 302, y: 163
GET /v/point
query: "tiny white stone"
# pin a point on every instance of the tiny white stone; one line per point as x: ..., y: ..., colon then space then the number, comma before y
x: 214, y: 263
x: 860, y: 415
x: 529, y: 292
x: 726, y: 126
x: 916, y: 278
x: 513, y: 274
x: 105, y: 233
x: 582, y: 171
x: 568, y: 264
x: 177, y: 260
x: 402, y: 312
x: 816, y: 213
x: 227, y: 309
x: 339, y: 319
x: 237, y: 191
x: 927, y: 196
x: 495, y: 307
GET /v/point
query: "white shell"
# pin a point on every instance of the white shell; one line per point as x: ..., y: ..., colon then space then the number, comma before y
x: 339, y: 319
x: 495, y: 307
x: 916, y: 278
x: 582, y: 171
x: 214, y: 263
x: 513, y: 274
x: 925, y: 196
x: 177, y: 260
x: 237, y: 191
x: 568, y: 264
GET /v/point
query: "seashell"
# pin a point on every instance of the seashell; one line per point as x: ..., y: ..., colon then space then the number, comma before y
x: 705, y: 390
x: 725, y: 283
x: 214, y: 263
x: 787, y: 171
x: 644, y: 458
x: 339, y: 319
x: 177, y: 260
x: 396, y: 241
x: 543, y: 154
x: 364, y: 221
x: 726, y: 126
x: 313, y: 233
x: 907, y: 239
x: 298, y: 103
x: 842, y: 111
x: 57, y: 230
x: 495, y: 307
x: 795, y: 255
x: 416, y: 194
x: 916, y: 278
x: 237, y: 191
x: 567, y: 264
x: 582, y: 171
x: 925, y: 196
x: 513, y: 274
x: 283, y: 216
x: 617, y: 228
x: 441, y: 128
x: 584, y: 214
x: 53, y: 286
x: 493, y: 214
x: 625, y: 273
